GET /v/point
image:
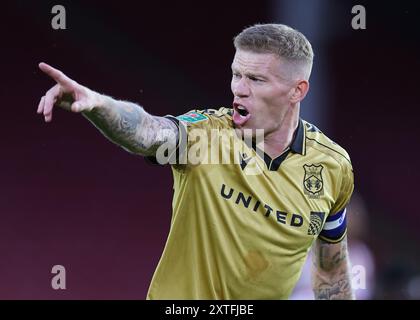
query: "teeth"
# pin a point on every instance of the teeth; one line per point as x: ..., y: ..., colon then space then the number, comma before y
x: 242, y: 111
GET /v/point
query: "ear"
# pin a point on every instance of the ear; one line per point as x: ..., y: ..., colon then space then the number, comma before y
x: 299, y: 91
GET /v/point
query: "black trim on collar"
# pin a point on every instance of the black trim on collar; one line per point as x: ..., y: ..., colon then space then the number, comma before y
x: 297, y: 143
x: 274, y: 164
x: 296, y: 146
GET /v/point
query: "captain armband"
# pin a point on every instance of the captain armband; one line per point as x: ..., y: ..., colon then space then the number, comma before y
x: 335, y: 227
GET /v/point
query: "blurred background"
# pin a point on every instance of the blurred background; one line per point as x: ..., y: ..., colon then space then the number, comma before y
x: 69, y: 197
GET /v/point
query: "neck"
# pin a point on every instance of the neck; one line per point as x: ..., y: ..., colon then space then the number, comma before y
x: 276, y: 142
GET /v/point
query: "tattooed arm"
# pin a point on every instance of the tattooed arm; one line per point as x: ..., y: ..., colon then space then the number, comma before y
x: 124, y: 123
x: 331, y: 278
x: 129, y: 126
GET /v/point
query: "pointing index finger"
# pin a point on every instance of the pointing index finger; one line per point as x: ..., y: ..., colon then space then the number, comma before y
x: 56, y: 74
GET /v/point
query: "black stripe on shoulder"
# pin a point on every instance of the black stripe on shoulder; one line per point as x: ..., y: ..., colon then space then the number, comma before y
x: 330, y: 149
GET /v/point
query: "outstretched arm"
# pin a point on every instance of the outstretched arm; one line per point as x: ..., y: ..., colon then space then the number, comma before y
x: 331, y: 273
x: 124, y: 123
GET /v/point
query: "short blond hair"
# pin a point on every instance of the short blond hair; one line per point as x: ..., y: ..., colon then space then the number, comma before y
x: 284, y: 41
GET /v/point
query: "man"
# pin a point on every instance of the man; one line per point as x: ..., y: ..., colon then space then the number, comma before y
x: 238, y: 234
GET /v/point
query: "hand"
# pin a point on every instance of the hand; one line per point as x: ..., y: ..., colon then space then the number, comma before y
x: 67, y: 94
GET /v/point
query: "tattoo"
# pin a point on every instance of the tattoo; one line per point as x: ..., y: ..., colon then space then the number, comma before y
x: 129, y: 126
x: 128, y: 119
x: 331, y: 271
x: 330, y: 255
x: 332, y: 292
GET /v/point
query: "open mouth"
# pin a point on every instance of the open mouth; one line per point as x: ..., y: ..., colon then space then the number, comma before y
x: 241, y: 114
x: 242, y: 111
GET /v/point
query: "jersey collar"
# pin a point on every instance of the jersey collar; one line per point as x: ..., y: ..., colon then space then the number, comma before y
x: 297, y: 145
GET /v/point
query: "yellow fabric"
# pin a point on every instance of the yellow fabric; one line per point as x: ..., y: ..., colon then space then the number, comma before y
x: 235, y: 235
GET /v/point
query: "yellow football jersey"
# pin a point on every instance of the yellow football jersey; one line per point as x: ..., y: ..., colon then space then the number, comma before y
x: 242, y: 230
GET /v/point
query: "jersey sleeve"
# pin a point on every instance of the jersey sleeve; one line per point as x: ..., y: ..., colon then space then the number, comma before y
x: 194, y: 127
x: 335, y: 227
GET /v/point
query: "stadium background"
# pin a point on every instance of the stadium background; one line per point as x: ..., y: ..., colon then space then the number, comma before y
x: 69, y: 197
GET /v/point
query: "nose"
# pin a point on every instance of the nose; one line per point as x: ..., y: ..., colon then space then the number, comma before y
x: 240, y: 88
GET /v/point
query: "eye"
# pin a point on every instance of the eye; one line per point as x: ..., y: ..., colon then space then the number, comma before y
x: 236, y: 75
x: 256, y: 79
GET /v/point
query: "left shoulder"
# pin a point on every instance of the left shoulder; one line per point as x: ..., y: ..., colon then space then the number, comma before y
x: 316, y: 139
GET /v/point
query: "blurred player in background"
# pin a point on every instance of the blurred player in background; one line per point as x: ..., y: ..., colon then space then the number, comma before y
x: 241, y: 229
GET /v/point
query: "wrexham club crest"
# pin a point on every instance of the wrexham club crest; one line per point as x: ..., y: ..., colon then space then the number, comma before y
x: 313, y: 185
